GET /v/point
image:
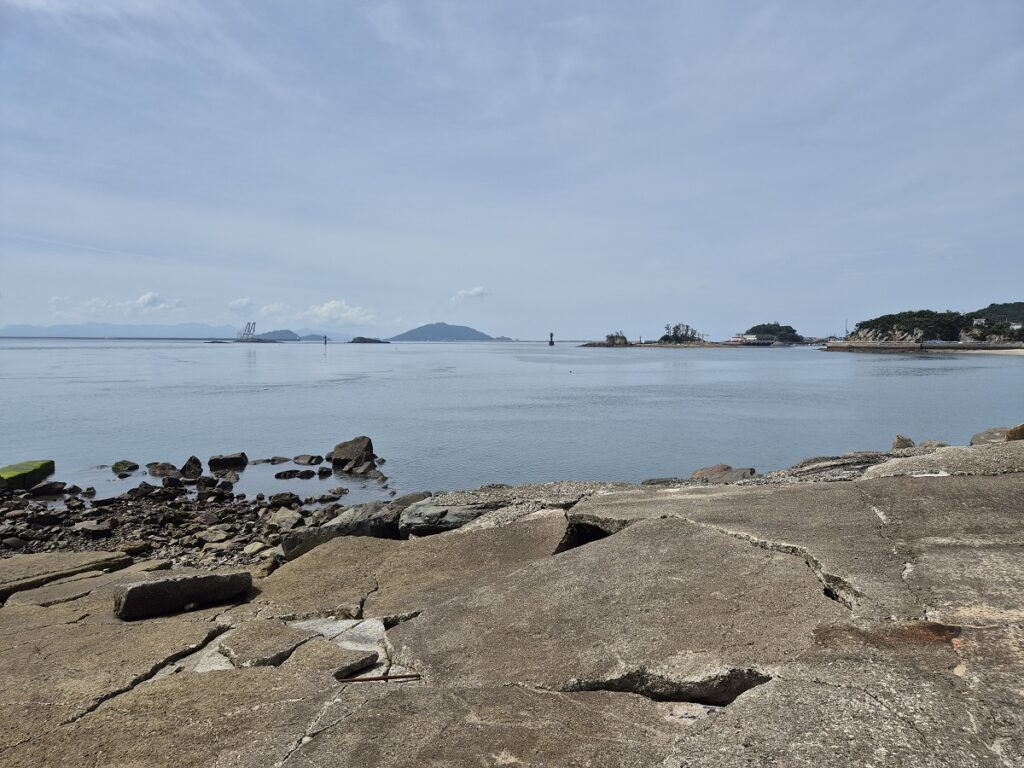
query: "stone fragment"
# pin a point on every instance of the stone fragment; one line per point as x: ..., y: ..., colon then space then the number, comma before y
x: 262, y: 643
x: 171, y: 594
x: 901, y: 442
x: 94, y: 529
x: 228, y: 461
x: 322, y: 655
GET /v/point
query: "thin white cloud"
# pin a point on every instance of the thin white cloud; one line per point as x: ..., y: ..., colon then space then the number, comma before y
x: 477, y: 292
x: 146, y: 304
x: 338, y: 310
x: 277, y: 308
x: 242, y: 305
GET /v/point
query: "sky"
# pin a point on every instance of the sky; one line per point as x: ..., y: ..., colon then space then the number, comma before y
x: 519, y: 166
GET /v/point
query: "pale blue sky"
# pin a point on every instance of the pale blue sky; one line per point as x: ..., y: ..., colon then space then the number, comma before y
x: 518, y: 166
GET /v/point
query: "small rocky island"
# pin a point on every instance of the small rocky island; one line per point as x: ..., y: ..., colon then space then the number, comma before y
x: 863, y: 609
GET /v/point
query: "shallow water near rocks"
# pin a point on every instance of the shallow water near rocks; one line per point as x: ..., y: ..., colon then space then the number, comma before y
x: 449, y: 416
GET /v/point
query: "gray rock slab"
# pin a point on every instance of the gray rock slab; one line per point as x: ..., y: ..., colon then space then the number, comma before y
x: 350, y: 577
x: 984, y: 459
x: 414, y: 727
x: 322, y: 655
x: 426, y: 518
x: 242, y: 718
x: 262, y: 643
x: 74, y: 588
x: 172, y: 593
x: 661, y: 593
x: 21, y: 572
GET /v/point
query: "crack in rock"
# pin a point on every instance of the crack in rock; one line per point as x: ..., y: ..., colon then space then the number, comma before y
x: 717, y: 690
x: 835, y: 587
x: 211, y: 635
x: 578, y: 534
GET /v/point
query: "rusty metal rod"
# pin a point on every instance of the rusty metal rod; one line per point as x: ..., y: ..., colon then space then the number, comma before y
x: 378, y: 678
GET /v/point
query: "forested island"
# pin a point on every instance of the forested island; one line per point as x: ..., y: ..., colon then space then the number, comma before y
x: 996, y: 323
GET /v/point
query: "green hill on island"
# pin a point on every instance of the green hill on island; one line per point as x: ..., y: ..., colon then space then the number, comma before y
x: 443, y: 332
x: 993, y: 323
x: 783, y: 333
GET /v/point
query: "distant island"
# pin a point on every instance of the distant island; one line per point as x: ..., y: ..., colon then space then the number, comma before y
x: 996, y: 323
x: 367, y: 340
x: 445, y: 332
x: 783, y: 334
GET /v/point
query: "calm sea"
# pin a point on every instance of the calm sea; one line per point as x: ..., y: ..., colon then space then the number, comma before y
x: 459, y: 415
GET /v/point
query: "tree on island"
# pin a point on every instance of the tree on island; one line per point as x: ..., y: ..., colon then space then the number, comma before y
x: 784, y: 333
x: 680, y: 333
x: 616, y: 339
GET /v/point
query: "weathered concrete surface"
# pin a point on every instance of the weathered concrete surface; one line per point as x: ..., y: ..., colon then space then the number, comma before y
x: 875, y: 622
x: 22, y: 572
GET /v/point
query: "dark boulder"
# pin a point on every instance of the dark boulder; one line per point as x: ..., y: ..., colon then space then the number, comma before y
x: 307, y: 460
x: 48, y: 488
x: 192, y: 468
x: 1016, y: 433
x: 163, y: 469
x: 352, y: 453
x: 306, y: 474
x: 287, y: 474
x: 228, y: 461
x: 124, y: 465
x: 285, y: 499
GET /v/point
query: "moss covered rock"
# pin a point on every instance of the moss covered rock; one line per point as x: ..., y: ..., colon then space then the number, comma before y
x: 25, y: 474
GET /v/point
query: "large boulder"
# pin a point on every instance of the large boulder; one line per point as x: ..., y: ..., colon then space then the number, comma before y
x: 374, y: 518
x: 228, y: 461
x: 352, y: 453
x: 1015, y: 433
x: 25, y: 474
x: 171, y: 594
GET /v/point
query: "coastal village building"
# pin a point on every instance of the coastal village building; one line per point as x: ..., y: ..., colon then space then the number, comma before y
x: 1016, y: 326
x: 980, y: 322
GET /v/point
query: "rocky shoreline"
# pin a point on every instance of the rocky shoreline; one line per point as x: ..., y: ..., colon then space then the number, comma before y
x: 857, y: 609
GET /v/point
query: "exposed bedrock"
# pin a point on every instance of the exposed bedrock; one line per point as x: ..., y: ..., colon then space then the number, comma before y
x: 876, y: 622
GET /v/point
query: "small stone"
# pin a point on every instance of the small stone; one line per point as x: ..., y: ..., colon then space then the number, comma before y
x: 94, y: 529
x: 163, y: 469
x: 228, y: 461
x: 284, y: 499
x: 285, y: 519
x: 254, y: 547
x: 49, y: 488
x: 13, y: 542
x: 123, y: 466
x: 192, y: 468
x: 306, y: 459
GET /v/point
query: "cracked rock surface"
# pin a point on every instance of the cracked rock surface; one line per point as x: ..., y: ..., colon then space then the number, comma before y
x: 872, y: 620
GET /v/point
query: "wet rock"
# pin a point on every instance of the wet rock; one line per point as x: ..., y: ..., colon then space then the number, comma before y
x: 122, y: 466
x: 192, y: 468
x: 13, y: 542
x: 306, y: 474
x: 323, y: 472
x: 352, y: 453
x: 227, y: 461
x: 49, y: 488
x: 141, y: 491
x: 173, y: 482
x: 279, y: 460
x: 171, y: 594
x: 287, y: 474
x: 900, y: 442
x: 163, y: 469
x: 306, y: 459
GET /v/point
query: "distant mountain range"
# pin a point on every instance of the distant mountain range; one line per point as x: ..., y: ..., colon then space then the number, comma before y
x: 445, y: 332
x: 153, y: 331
